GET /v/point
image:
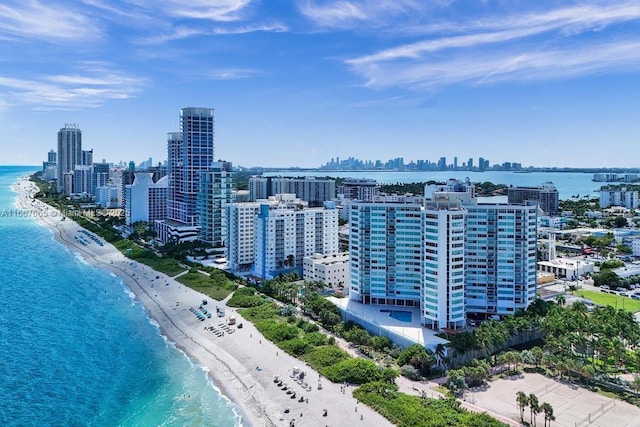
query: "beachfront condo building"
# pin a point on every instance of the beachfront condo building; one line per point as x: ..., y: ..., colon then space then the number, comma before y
x: 214, y: 198
x: 69, y: 155
x: 500, y: 256
x: 190, y: 152
x: 107, y: 196
x: 546, y: 195
x: 146, y: 200
x: 313, y: 190
x: 443, y: 268
x: 286, y: 231
x: 82, y: 179
x: 409, y: 255
x: 100, y: 175
x: 241, y: 231
x: 386, y: 253
x: 450, y: 256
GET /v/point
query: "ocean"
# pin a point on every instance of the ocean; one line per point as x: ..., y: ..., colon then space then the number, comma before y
x: 76, y: 349
x: 569, y: 184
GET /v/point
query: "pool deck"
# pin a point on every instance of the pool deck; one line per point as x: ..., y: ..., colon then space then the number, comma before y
x: 412, y: 331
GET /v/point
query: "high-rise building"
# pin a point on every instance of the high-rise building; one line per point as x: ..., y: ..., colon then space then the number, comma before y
x: 363, y: 189
x: 214, y: 198
x: 107, y: 196
x: 442, y: 164
x: 310, y: 189
x: 546, y: 195
x: 259, y: 187
x: 449, y: 255
x: 146, y: 200
x: 242, y: 230
x: 52, y: 157
x: 500, y: 254
x: 443, y: 285
x: 618, y: 196
x: 69, y: 155
x: 100, y: 176
x: 190, y: 152
x: 87, y: 157
x: 82, y: 180
x: 286, y: 232
x: 385, y: 253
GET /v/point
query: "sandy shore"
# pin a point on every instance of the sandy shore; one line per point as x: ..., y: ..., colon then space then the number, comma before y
x: 242, y: 364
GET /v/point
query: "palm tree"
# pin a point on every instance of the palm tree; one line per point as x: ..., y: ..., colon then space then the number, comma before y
x: 561, y: 299
x: 534, y: 406
x: 523, y: 401
x: 635, y: 383
x: 548, y: 413
x: 440, y: 353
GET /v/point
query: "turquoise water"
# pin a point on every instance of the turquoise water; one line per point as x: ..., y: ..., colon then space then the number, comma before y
x: 401, y: 315
x: 77, y: 350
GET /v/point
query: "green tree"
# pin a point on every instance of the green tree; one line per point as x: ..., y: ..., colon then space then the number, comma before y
x: 548, y: 413
x: 523, y: 401
x: 417, y: 356
x: 534, y: 407
x: 620, y: 222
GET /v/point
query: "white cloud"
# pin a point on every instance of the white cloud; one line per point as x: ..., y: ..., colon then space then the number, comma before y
x: 275, y: 28
x: 489, y: 67
x: 572, y: 21
x: 231, y: 73
x: 351, y: 13
x: 550, y: 44
x: 32, y: 19
x: 70, y: 91
x: 218, y: 10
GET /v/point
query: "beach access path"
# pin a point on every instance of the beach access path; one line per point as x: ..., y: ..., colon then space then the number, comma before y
x: 243, y: 364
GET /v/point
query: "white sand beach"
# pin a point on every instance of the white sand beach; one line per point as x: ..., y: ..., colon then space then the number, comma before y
x: 242, y: 364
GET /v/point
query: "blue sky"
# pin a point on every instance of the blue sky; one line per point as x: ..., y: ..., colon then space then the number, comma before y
x: 295, y: 83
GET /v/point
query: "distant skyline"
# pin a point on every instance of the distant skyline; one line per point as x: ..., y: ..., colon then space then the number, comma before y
x: 295, y: 83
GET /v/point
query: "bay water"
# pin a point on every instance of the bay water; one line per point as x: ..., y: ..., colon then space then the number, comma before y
x: 76, y: 349
x: 569, y: 184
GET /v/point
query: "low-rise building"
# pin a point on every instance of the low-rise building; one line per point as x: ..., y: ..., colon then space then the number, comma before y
x: 566, y: 268
x: 331, y: 270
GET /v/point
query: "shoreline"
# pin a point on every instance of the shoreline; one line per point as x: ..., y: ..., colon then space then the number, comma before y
x: 241, y: 365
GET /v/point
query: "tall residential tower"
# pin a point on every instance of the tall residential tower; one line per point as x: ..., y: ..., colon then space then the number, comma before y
x: 69, y: 155
x: 190, y: 152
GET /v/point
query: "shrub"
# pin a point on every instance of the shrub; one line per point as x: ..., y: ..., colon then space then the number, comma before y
x: 295, y: 346
x: 322, y: 357
x: 276, y: 331
x: 310, y: 327
x: 410, y: 372
x: 356, y: 371
x: 316, y: 339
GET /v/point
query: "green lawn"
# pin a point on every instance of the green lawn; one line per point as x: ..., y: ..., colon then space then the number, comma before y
x: 600, y: 298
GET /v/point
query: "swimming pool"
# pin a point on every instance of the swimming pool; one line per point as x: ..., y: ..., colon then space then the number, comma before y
x: 403, y: 316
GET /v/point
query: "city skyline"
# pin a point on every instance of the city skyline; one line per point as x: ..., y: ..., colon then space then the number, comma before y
x: 292, y: 83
